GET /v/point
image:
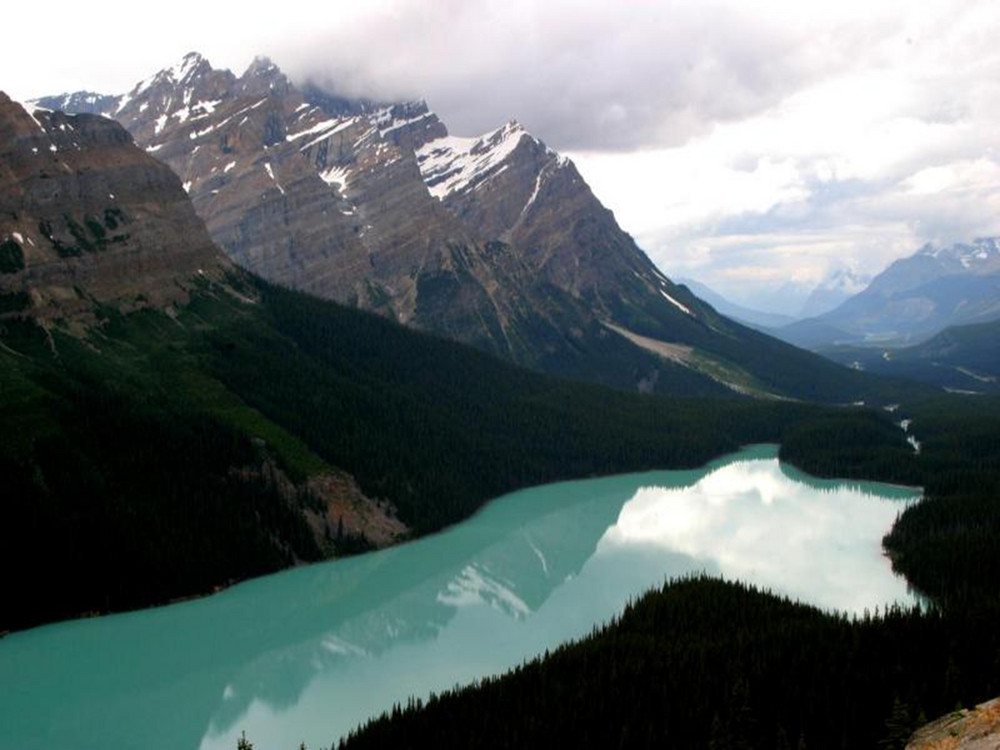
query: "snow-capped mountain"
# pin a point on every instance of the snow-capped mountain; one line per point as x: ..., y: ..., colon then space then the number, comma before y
x: 495, y: 240
x: 80, y: 102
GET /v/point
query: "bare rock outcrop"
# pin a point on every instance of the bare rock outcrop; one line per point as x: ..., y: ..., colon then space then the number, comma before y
x: 975, y: 729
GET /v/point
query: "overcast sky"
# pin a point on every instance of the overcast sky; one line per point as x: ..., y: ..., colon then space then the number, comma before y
x: 745, y: 144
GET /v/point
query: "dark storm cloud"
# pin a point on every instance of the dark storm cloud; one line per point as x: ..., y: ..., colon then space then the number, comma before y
x: 583, y: 76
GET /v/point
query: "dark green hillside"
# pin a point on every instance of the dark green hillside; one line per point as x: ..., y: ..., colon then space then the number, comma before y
x: 965, y: 358
x: 948, y: 546
x: 142, y: 454
x: 708, y: 664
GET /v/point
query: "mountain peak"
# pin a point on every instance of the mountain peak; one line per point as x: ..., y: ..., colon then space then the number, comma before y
x: 185, y: 70
x: 510, y: 133
x: 262, y: 76
x: 407, y: 110
x: 189, y: 67
x: 836, y: 287
x: 987, y: 245
x: 261, y: 65
x: 409, y: 125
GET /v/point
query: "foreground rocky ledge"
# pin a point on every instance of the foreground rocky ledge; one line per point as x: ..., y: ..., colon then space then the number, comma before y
x: 976, y: 729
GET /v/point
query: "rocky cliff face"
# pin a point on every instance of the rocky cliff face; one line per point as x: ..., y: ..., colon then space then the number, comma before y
x: 88, y: 218
x: 496, y: 241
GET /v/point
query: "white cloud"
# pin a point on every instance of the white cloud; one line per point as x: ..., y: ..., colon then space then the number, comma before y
x: 856, y: 169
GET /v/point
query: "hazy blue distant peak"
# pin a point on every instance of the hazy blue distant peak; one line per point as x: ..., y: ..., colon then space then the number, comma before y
x: 846, y: 279
x: 837, y: 286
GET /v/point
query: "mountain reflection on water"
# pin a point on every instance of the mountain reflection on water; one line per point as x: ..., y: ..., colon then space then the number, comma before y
x: 307, y: 654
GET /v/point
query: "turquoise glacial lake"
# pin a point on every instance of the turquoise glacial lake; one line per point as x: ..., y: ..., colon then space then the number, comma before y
x: 308, y: 654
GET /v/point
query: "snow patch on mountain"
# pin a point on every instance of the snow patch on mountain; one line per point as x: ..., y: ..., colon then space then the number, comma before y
x: 336, y: 175
x: 387, y: 123
x: 534, y: 193
x: 270, y: 173
x: 324, y: 129
x: 678, y: 305
x: 452, y: 164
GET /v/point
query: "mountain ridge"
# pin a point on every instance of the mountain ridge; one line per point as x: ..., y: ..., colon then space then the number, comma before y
x: 755, y: 318
x: 495, y: 241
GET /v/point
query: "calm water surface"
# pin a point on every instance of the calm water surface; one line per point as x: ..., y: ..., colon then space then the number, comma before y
x: 307, y: 654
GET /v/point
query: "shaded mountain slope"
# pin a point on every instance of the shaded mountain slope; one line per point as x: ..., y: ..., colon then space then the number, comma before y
x: 963, y: 358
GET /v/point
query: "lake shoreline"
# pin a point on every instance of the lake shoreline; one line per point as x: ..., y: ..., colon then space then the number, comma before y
x: 311, y: 652
x: 772, y: 449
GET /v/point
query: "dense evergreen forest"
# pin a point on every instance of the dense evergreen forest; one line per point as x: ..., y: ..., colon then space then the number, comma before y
x: 947, y: 544
x: 704, y: 663
x: 138, y: 456
x: 964, y: 358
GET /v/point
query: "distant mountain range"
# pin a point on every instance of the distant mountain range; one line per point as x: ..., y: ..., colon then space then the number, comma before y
x: 912, y: 299
x: 759, y: 319
x: 833, y: 289
x: 495, y: 241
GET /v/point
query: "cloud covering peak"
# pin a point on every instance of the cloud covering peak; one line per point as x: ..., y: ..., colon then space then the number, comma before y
x: 586, y: 74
